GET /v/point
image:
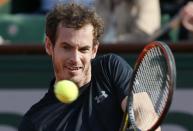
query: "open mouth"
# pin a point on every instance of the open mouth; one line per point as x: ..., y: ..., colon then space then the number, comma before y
x: 74, y: 68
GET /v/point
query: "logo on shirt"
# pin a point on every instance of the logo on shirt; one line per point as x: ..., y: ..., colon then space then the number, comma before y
x: 102, y: 96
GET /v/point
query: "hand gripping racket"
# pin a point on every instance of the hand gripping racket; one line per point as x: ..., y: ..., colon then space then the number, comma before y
x: 151, y: 88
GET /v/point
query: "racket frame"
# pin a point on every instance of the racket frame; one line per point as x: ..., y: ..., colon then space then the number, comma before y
x: 172, y: 83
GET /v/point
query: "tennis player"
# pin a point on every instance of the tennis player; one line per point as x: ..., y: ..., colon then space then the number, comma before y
x: 72, y: 33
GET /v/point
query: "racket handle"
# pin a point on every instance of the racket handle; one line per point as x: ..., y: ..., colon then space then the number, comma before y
x: 124, y: 124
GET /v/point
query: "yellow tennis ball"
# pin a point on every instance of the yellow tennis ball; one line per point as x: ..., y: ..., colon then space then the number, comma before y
x: 66, y: 91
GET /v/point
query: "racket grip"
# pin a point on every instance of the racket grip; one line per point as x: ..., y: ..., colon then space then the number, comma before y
x: 124, y: 124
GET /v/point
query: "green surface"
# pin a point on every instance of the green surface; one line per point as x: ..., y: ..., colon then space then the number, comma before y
x: 5, y: 6
x: 22, y: 28
x: 25, y: 71
x: 34, y: 71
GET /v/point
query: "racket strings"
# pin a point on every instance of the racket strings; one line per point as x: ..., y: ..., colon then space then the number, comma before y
x: 162, y: 81
x: 151, y: 80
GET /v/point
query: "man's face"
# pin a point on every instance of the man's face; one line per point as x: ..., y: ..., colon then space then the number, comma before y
x: 72, y: 53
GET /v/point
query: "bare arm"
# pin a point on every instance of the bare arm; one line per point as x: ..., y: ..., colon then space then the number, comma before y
x: 146, y: 106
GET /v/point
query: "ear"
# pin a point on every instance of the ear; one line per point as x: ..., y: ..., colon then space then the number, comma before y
x: 48, y: 46
x: 94, y: 50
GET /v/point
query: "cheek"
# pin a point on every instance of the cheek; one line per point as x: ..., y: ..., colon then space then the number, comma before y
x: 59, y: 54
x: 57, y: 59
x: 87, y: 60
x: 56, y: 64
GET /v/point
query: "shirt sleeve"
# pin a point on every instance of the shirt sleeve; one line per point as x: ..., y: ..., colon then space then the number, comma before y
x: 26, y: 125
x: 120, y: 75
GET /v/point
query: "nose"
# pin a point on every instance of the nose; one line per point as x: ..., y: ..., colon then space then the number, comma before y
x: 74, y: 57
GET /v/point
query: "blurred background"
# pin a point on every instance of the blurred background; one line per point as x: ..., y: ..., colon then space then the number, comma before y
x: 25, y: 69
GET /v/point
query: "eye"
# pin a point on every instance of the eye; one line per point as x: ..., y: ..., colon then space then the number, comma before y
x: 84, y: 49
x: 66, y: 47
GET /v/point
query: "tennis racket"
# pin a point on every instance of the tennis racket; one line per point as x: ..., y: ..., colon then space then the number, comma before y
x: 151, y: 88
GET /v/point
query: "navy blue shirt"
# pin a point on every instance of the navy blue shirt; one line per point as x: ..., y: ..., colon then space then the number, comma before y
x: 98, y: 107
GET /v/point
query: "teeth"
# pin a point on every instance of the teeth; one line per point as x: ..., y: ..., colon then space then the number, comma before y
x: 74, y: 68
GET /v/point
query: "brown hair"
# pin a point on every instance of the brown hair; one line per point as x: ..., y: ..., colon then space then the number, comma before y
x: 73, y: 16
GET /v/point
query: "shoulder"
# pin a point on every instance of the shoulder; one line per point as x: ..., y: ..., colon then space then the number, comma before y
x: 109, y: 58
x: 26, y: 124
x: 34, y: 117
x: 111, y: 65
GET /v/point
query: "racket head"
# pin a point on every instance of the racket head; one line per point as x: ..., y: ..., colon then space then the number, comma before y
x: 154, y: 52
